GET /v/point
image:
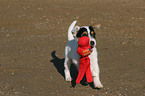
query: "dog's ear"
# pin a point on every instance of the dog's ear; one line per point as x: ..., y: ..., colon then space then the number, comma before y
x: 75, y: 30
x: 96, y: 26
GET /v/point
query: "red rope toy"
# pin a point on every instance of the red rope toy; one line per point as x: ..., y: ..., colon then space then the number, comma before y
x: 84, y: 49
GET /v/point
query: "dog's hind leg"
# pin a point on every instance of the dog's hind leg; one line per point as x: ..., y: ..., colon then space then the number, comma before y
x: 67, y: 64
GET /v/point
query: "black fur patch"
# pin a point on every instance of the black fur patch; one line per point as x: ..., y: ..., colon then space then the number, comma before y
x: 92, y: 32
x: 80, y: 32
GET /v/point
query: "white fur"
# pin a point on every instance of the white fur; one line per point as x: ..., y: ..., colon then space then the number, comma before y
x: 71, y: 56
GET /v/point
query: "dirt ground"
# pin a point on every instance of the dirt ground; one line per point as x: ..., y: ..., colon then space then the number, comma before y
x: 33, y: 35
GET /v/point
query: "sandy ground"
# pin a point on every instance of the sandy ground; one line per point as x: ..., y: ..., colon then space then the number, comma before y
x: 33, y: 35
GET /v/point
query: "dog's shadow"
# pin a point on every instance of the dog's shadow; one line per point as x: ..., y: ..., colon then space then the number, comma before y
x: 59, y: 64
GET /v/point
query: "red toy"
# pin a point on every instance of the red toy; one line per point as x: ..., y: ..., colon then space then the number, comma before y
x: 84, y: 50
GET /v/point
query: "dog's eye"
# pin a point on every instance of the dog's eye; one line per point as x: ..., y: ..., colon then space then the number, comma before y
x: 92, y: 33
x: 81, y: 31
x: 85, y: 34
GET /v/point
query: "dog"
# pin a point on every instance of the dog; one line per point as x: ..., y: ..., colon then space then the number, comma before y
x: 71, y: 55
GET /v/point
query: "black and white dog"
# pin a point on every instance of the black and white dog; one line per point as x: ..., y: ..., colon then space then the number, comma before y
x: 71, y: 55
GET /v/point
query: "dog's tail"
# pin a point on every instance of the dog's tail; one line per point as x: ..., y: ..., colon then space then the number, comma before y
x: 70, y: 29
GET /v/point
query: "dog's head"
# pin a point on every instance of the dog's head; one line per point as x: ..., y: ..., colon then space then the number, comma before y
x: 87, y: 31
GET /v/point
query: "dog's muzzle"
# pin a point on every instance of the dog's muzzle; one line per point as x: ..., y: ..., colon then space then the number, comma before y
x: 92, y: 43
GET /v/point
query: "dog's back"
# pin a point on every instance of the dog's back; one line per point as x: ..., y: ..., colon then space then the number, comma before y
x: 71, y: 51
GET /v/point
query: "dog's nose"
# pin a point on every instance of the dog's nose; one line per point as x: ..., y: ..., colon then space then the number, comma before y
x: 92, y: 42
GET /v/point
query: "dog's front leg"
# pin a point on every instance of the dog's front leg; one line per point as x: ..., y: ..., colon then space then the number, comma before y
x: 67, y: 69
x: 95, y: 69
x: 96, y: 79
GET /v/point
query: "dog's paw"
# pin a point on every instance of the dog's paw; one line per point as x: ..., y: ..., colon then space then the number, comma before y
x: 68, y: 79
x: 97, y: 83
x: 98, y: 86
